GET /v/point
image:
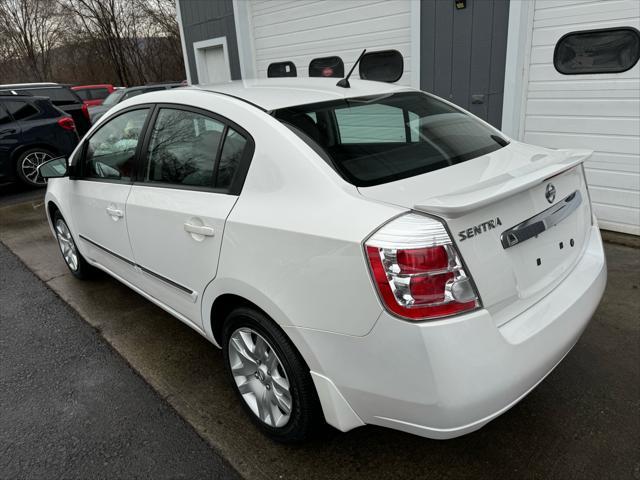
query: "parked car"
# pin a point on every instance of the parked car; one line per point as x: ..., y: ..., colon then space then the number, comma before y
x: 61, y: 96
x: 120, y: 95
x: 93, y: 95
x: 363, y: 255
x: 32, y: 131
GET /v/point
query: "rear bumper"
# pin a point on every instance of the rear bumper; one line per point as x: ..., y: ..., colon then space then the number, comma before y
x: 446, y: 378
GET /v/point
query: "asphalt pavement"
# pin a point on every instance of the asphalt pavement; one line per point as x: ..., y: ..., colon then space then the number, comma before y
x: 70, y: 407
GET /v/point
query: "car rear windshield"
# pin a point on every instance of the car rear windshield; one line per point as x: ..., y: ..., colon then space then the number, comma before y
x: 113, y: 98
x: 373, y: 140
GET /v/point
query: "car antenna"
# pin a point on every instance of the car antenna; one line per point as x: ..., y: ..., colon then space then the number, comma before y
x: 344, y: 83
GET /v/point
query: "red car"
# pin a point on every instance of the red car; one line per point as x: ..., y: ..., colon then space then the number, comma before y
x: 93, y: 95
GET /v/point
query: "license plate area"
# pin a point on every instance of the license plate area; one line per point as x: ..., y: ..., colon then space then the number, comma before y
x: 541, y: 259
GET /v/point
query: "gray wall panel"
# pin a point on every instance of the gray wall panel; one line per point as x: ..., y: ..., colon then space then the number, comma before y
x: 463, y: 53
x: 206, y: 19
x: 427, y: 44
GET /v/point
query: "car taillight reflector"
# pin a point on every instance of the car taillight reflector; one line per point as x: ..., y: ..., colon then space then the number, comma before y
x: 417, y: 269
x: 67, y: 123
x: 85, y: 111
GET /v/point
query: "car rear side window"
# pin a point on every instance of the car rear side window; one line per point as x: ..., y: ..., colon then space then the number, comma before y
x: 232, y: 151
x: 183, y: 148
x: 110, y: 152
x: 20, y: 110
x: 83, y: 94
x: 58, y: 95
x: 99, y: 93
x: 379, y: 139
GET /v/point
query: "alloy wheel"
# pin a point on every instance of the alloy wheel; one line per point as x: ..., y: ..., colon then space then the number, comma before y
x: 30, y: 164
x: 67, y: 245
x: 260, y: 377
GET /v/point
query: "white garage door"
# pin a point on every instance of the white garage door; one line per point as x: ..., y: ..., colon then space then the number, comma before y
x: 300, y: 30
x: 595, y: 111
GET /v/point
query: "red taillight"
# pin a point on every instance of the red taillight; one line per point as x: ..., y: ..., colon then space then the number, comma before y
x: 85, y: 111
x: 418, y: 271
x: 67, y: 123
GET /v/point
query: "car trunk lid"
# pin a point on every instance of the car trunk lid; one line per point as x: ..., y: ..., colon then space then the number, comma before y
x: 519, y: 216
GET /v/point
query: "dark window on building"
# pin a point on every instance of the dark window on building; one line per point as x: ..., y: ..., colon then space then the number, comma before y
x: 326, y: 67
x: 611, y: 50
x: 282, y: 69
x: 20, y: 110
x: 183, y: 148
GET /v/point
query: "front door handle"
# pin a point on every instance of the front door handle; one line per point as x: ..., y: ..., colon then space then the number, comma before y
x: 7, y: 131
x: 199, y: 229
x: 114, y: 212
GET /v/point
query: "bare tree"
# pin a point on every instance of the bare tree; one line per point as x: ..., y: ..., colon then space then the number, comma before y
x: 31, y: 29
x: 104, y: 22
x: 127, y: 42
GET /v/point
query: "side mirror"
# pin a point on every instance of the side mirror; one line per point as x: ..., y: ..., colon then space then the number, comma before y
x: 55, y: 168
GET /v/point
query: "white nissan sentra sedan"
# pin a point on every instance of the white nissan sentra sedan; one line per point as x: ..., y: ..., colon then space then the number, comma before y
x: 363, y: 255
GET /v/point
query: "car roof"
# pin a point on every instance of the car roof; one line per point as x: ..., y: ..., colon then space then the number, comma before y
x: 10, y: 96
x: 86, y: 87
x: 274, y: 93
x: 147, y: 87
x: 27, y: 85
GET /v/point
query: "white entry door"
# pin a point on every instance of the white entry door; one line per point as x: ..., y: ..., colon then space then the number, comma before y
x: 212, y: 61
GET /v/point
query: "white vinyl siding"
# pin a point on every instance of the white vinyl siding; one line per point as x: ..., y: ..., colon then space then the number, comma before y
x: 595, y: 111
x: 301, y: 30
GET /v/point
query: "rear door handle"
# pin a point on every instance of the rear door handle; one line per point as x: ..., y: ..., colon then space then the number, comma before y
x: 199, y: 229
x: 114, y: 212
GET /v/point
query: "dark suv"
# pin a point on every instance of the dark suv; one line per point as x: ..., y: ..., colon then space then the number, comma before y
x: 61, y: 96
x: 32, y: 131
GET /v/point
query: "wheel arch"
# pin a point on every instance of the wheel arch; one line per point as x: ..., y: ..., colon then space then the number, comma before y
x: 223, y: 295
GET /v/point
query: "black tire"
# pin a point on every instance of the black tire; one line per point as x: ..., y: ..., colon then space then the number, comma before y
x: 26, y: 163
x: 83, y: 270
x: 306, y: 414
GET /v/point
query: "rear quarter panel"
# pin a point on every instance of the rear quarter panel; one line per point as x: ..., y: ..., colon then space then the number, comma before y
x: 293, y: 243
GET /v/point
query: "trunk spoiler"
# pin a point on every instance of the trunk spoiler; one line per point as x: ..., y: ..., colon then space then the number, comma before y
x: 498, y: 188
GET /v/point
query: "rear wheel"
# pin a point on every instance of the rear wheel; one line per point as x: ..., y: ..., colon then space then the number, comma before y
x: 70, y: 253
x: 27, y: 165
x: 269, y: 376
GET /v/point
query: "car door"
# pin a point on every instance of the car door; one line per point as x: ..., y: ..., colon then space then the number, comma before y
x: 176, y: 211
x: 9, y: 140
x: 99, y: 194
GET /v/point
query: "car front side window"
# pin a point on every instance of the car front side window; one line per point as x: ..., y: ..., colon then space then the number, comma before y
x: 110, y: 152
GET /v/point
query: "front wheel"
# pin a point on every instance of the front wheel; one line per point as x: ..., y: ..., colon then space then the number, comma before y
x: 70, y: 253
x: 270, y: 376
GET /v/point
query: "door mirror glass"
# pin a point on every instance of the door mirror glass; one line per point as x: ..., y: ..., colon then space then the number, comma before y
x: 55, y: 168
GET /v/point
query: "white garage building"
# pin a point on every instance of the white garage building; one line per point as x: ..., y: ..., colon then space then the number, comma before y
x: 557, y: 73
